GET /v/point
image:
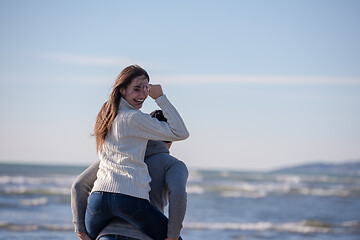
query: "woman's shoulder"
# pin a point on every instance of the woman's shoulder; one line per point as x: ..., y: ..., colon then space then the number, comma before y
x: 132, y: 115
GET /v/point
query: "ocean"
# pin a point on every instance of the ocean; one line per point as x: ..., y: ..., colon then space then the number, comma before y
x: 35, y: 204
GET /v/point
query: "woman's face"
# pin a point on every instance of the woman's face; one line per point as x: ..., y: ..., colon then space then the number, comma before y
x: 136, y: 92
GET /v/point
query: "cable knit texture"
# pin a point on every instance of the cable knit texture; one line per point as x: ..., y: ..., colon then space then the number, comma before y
x: 122, y: 168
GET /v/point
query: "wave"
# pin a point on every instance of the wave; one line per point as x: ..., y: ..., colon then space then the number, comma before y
x: 34, y: 227
x: 263, y: 189
x: 31, y: 180
x: 23, y: 202
x: 25, y: 190
x: 195, y: 189
x: 281, y: 178
x: 34, y: 201
x: 225, y: 184
x: 260, y: 185
x: 237, y: 194
x: 303, y: 227
x: 25, y: 185
x: 294, y: 178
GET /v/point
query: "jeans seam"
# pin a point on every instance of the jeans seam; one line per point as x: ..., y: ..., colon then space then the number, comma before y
x: 126, y: 215
x: 101, y: 209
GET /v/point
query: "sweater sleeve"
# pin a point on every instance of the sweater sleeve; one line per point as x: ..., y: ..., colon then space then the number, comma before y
x: 80, y: 191
x: 176, y: 178
x: 172, y: 130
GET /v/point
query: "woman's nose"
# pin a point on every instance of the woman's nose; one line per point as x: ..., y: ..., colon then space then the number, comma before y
x: 143, y: 93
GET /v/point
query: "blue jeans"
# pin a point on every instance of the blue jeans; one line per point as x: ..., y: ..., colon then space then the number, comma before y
x: 104, y: 207
x: 116, y: 237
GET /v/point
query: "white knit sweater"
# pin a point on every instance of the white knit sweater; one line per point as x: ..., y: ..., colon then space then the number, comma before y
x: 122, y: 168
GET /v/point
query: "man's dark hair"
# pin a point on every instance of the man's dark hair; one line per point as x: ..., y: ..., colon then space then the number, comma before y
x: 158, y: 114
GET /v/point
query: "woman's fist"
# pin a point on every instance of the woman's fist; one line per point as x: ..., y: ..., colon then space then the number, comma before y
x: 155, y: 91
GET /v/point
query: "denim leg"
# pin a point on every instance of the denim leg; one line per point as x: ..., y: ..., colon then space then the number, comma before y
x: 151, y: 221
x: 107, y: 237
x: 103, y: 207
x: 142, y: 214
x: 116, y: 237
x: 97, y: 214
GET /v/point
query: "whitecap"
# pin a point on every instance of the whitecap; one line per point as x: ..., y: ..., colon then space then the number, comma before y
x: 296, y: 227
x: 60, y: 180
x: 239, y: 194
x: 34, y: 201
x: 195, y: 177
x: 293, y: 179
x: 323, y: 192
x: 34, y: 227
x: 45, y: 190
x: 195, y: 189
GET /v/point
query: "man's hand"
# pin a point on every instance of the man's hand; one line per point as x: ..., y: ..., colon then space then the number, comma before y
x: 83, y: 236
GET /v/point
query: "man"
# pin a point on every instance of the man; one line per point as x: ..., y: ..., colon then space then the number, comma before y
x: 169, y: 176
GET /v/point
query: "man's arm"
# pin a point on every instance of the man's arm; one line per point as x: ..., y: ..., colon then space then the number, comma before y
x: 80, y: 191
x: 176, y: 178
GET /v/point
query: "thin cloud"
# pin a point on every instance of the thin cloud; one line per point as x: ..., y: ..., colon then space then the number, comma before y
x: 242, y: 79
x: 107, y: 61
x: 88, y: 60
x: 184, y: 79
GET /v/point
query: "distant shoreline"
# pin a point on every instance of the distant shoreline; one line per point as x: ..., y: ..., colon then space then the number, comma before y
x: 314, y: 167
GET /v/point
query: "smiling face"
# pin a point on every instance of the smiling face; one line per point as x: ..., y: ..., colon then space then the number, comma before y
x: 135, y: 93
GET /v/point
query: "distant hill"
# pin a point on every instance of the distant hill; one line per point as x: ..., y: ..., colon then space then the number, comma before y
x: 349, y: 168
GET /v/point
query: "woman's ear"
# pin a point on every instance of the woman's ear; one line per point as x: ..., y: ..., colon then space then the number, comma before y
x: 122, y: 91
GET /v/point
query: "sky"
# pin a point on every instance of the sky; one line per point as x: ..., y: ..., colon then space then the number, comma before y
x: 260, y: 84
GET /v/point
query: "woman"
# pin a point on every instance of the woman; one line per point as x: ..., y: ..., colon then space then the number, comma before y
x: 122, y: 131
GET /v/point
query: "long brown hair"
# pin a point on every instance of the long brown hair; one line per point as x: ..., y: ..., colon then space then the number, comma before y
x: 108, y: 111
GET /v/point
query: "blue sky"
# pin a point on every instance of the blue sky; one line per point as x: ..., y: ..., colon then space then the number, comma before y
x: 260, y: 84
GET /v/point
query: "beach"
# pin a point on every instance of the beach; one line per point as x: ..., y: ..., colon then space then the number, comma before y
x: 35, y: 204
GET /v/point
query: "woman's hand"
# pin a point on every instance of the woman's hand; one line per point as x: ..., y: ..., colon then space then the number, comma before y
x: 83, y: 236
x: 155, y: 91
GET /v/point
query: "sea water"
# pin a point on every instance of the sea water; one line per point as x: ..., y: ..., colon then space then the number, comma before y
x: 35, y: 204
